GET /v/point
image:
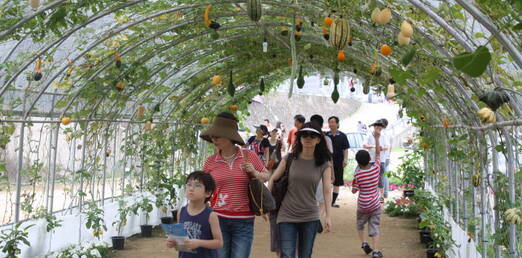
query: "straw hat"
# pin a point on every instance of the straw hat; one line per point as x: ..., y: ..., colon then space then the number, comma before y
x: 223, y: 127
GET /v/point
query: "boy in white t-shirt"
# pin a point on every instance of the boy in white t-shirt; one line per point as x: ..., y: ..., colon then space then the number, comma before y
x: 369, y: 144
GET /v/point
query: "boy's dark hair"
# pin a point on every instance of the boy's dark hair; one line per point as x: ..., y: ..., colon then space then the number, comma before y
x: 300, y: 118
x: 204, y: 178
x: 363, y: 157
x: 227, y: 115
x: 317, y: 119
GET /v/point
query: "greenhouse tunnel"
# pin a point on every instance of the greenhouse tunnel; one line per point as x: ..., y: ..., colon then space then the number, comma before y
x: 102, y: 101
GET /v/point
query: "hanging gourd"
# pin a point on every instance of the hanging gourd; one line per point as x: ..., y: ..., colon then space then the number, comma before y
x: 326, y: 82
x: 206, y: 18
x: 352, y: 89
x: 494, y: 98
x: 335, y: 94
x: 69, y: 69
x: 34, y: 4
x: 487, y: 115
x: 231, y: 88
x: 141, y: 111
x: 326, y: 35
x: 391, y: 91
x: 262, y: 86
x: 366, y: 87
x: 298, y: 24
x: 120, y: 85
x: 148, y: 125
x: 297, y: 35
x: 336, y: 77
x: 386, y: 50
x: 233, y: 108
x: 205, y: 120
x: 37, y: 75
x: 341, y: 55
x: 300, y: 78
x: 327, y: 21
x: 385, y: 16
x: 406, y: 59
x: 406, y: 29
x: 265, y: 46
x: 403, y: 40
x: 350, y: 39
x: 373, y: 69
x: 339, y: 34
x: 65, y: 120
x: 254, y: 10
x: 284, y: 31
x: 375, y: 15
x: 117, y: 57
x: 216, y: 80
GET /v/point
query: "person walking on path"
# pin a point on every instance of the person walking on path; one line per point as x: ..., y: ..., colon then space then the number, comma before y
x: 385, y: 156
x: 365, y: 181
x: 200, y: 222
x: 299, y: 121
x: 318, y: 119
x: 370, y: 145
x: 232, y: 169
x: 298, y: 217
x: 340, y: 155
x: 259, y: 143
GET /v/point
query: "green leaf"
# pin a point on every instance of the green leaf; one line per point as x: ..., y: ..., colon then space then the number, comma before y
x: 401, y: 76
x: 473, y: 64
x: 518, y: 26
x: 431, y: 74
x: 409, y: 56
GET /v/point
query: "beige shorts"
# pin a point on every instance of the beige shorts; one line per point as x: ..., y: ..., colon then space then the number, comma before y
x: 373, y: 219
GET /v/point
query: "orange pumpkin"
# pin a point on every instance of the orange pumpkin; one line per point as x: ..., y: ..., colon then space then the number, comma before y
x: 386, y: 50
x: 341, y: 55
x: 216, y: 80
x: 205, y: 120
x: 328, y: 21
x: 65, y: 120
x: 445, y: 123
x: 233, y: 107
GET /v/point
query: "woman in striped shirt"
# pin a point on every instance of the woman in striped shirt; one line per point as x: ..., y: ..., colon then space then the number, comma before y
x: 231, y: 167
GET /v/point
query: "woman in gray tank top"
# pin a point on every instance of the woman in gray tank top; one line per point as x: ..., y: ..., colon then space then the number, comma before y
x: 298, y: 217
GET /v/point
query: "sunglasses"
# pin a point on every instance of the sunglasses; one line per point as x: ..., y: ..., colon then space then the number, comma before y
x: 310, y: 135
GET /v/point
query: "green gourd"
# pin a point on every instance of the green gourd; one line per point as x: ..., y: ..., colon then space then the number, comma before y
x: 231, y: 88
x: 408, y: 57
x: 495, y: 98
x: 262, y: 86
x: 254, y: 10
x: 335, y: 94
x: 300, y: 78
x: 366, y: 87
x: 336, y: 77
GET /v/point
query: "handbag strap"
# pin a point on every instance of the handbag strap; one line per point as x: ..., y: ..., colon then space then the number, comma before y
x: 289, y: 160
x: 260, y: 207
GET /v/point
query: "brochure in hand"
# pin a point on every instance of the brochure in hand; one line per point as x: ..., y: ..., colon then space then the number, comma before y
x: 178, y: 233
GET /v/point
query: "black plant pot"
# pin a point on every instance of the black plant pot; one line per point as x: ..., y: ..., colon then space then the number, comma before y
x: 175, y: 216
x: 167, y: 220
x: 430, y: 253
x: 146, y: 230
x: 408, y: 193
x: 118, y: 242
x: 425, y: 237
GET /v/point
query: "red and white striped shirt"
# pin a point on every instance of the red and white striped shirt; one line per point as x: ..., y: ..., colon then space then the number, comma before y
x: 366, y: 181
x: 230, y: 199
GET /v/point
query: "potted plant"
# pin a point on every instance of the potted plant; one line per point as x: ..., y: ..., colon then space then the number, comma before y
x: 162, y: 204
x: 412, y: 174
x: 118, y: 241
x: 11, y: 239
x: 95, y: 220
x: 145, y: 206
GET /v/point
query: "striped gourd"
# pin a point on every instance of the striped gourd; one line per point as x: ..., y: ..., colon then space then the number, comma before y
x: 339, y: 33
x: 254, y: 10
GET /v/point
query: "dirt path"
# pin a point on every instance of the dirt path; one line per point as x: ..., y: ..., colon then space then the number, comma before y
x: 399, y: 238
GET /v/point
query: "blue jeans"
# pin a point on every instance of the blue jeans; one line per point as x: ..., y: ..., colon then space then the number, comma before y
x: 237, y: 237
x: 301, y: 235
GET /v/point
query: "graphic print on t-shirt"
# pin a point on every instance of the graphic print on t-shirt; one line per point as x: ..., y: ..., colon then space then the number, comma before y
x: 193, y: 229
x: 222, y: 200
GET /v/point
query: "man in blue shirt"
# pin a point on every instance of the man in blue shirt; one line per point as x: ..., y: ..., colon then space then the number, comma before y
x: 340, y: 155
